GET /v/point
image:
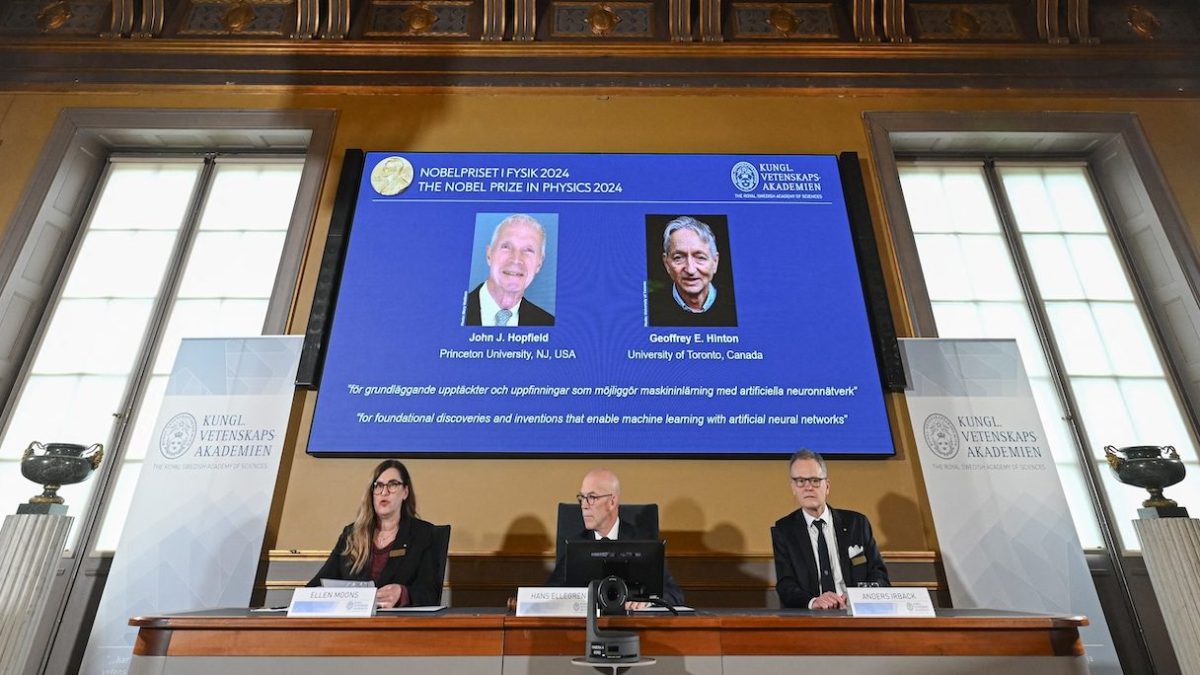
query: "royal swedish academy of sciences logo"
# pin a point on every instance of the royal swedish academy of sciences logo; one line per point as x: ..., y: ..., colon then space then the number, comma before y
x: 941, y: 436
x: 177, y: 437
x: 745, y: 176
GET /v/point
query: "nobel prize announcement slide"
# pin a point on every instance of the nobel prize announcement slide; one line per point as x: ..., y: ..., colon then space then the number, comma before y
x: 600, y: 304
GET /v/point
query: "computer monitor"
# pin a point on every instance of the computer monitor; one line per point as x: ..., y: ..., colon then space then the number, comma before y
x: 638, y: 562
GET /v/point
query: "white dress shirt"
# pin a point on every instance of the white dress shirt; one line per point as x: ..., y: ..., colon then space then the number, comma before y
x: 488, y: 308
x: 839, y: 583
x: 612, y: 534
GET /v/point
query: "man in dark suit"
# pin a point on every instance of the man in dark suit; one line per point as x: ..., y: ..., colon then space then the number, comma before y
x: 599, y: 498
x: 819, y: 551
x: 514, y: 258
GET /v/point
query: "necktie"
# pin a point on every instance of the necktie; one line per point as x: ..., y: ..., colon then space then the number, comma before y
x: 503, y: 316
x: 824, y: 568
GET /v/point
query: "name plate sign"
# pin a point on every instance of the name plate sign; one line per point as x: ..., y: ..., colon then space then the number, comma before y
x: 333, y: 602
x: 890, y: 602
x: 547, y: 601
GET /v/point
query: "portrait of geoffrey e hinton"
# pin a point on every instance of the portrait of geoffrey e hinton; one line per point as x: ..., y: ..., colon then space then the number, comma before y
x: 513, y: 270
x: 689, y: 272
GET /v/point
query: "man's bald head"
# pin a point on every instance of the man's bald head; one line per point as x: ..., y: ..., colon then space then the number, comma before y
x: 600, y: 495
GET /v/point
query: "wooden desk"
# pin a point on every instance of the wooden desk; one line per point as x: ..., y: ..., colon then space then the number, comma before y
x: 461, y: 640
x: 239, y: 632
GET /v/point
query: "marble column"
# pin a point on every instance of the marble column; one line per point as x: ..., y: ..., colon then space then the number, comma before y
x: 1171, y: 548
x: 30, y: 548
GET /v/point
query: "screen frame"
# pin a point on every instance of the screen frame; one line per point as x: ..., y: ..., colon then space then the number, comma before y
x: 868, y: 267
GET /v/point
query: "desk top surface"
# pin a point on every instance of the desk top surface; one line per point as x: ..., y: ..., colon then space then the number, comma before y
x: 725, y: 617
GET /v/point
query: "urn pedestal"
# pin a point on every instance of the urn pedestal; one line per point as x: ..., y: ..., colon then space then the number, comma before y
x: 1171, y: 549
x: 31, y: 547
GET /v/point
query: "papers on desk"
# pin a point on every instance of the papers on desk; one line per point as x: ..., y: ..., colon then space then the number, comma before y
x: 682, y: 609
x: 389, y: 610
x: 346, y: 583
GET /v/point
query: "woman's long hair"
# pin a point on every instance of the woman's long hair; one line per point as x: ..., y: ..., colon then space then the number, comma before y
x: 362, y: 533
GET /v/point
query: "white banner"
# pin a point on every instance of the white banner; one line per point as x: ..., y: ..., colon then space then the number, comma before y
x: 194, y: 533
x: 1006, y: 536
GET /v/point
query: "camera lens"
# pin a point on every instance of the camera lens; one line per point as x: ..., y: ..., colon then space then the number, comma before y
x: 612, y: 594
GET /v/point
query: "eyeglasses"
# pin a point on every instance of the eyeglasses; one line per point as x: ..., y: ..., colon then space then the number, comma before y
x: 811, y: 481
x: 590, y: 499
x: 390, y: 486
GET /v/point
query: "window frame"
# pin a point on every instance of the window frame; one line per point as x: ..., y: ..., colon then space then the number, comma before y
x: 1116, y: 151
x: 39, y: 238
x: 76, y: 159
x: 1146, y: 223
x: 990, y: 173
x: 117, y: 445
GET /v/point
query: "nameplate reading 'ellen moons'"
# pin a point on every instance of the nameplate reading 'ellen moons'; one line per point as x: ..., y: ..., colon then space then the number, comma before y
x: 889, y: 602
x: 538, y: 601
x: 340, y: 603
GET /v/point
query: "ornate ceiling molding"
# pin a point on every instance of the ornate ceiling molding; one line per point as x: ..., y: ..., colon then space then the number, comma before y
x: 1142, y: 47
x: 48, y: 63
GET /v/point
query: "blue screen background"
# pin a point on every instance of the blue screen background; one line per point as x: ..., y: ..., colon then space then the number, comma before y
x: 411, y: 258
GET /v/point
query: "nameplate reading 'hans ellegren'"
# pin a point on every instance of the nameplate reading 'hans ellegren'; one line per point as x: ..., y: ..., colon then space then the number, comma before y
x: 545, y: 601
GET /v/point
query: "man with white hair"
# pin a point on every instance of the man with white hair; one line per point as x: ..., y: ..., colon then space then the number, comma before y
x: 514, y: 258
x: 599, y: 501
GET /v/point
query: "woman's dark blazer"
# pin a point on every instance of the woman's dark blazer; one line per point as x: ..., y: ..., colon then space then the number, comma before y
x: 412, y: 563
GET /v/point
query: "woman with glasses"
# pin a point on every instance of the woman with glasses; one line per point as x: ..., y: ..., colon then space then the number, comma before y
x: 387, y: 543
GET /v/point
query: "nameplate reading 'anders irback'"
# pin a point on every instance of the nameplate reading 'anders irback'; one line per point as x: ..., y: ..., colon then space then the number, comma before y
x: 547, y: 601
x: 890, y: 602
x: 336, y: 603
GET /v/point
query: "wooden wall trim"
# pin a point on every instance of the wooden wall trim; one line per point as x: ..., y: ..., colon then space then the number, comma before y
x: 1160, y: 70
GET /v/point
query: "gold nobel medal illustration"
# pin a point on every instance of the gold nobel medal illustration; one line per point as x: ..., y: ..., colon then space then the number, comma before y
x: 392, y: 176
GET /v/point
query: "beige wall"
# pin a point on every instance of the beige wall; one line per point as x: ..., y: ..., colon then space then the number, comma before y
x: 494, y: 505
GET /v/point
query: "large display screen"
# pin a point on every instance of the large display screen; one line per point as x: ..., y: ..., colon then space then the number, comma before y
x: 597, y: 304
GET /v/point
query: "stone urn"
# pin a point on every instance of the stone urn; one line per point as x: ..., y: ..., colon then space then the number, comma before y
x: 1150, y: 467
x: 58, y: 464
